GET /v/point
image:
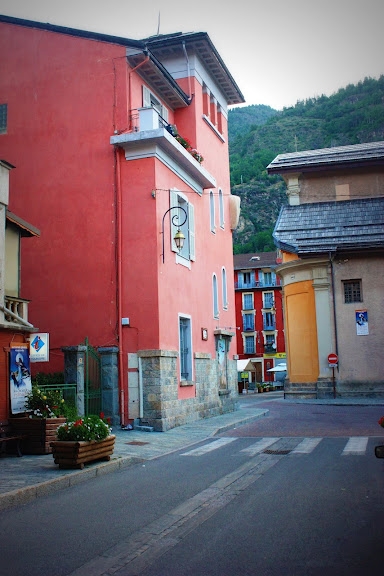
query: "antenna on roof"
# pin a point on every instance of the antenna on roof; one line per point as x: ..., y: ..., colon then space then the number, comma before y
x: 158, y: 24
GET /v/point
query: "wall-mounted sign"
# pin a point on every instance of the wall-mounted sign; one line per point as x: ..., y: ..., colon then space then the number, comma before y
x: 19, y: 376
x: 39, y: 347
x: 361, y: 322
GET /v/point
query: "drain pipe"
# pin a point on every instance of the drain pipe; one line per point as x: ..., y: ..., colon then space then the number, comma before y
x: 141, y: 394
x: 119, y: 286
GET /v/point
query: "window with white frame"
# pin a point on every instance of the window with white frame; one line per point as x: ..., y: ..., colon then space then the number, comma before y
x: 185, y: 348
x: 212, y: 211
x: 150, y: 101
x: 248, y: 322
x: 249, y: 345
x: 215, y: 297
x: 182, y: 217
x: 221, y: 208
x: 248, y: 301
x: 224, y: 287
x: 268, y: 299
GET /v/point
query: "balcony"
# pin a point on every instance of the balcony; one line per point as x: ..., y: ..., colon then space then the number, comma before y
x: 152, y: 138
x: 241, y: 285
x: 15, y: 311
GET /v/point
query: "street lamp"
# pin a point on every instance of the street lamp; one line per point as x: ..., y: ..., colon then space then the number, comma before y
x: 179, y: 236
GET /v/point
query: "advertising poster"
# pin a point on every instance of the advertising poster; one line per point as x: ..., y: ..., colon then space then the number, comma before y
x: 39, y: 347
x: 361, y: 322
x: 20, y: 377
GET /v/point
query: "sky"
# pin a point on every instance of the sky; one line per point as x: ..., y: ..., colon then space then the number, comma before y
x: 278, y: 52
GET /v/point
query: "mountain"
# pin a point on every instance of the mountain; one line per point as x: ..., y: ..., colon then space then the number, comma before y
x: 257, y: 134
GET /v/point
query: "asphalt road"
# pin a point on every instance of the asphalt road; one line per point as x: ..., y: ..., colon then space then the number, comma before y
x: 244, y: 503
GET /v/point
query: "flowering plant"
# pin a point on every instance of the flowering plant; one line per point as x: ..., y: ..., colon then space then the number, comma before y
x: 44, y: 403
x: 381, y: 421
x: 185, y: 143
x: 85, y: 428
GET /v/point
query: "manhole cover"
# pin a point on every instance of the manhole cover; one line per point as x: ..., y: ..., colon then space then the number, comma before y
x: 137, y: 443
x: 282, y: 452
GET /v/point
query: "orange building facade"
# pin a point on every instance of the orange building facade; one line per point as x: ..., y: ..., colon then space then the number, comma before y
x: 120, y: 144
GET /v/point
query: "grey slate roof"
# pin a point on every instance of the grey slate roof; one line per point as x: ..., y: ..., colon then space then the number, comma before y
x: 254, y: 260
x: 324, y: 227
x: 353, y: 156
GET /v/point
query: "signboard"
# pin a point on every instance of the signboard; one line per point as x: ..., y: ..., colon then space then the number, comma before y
x: 333, y: 360
x: 19, y: 376
x: 361, y: 322
x: 39, y: 347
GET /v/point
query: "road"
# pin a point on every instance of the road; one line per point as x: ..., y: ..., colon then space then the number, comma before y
x: 254, y: 501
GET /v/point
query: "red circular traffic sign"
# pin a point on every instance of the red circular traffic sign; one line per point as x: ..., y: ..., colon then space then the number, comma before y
x: 333, y: 359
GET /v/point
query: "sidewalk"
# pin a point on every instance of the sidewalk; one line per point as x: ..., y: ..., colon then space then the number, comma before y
x: 26, y: 478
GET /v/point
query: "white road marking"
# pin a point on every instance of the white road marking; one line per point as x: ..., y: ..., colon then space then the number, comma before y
x: 355, y: 446
x: 259, y: 446
x: 209, y: 447
x: 306, y: 446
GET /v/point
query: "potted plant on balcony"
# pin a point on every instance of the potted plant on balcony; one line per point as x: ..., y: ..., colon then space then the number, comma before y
x: 83, y: 440
x: 45, y: 411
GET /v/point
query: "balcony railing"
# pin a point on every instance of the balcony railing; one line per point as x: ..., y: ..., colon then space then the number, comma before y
x: 241, y: 285
x: 16, y: 311
x: 269, y: 326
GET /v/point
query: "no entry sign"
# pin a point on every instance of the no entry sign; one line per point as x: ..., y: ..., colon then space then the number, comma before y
x: 333, y: 359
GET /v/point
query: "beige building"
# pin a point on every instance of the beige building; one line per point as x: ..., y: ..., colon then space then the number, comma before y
x: 331, y: 238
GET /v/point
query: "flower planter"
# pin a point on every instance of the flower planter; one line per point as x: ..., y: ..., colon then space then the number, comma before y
x: 74, y: 454
x: 40, y: 433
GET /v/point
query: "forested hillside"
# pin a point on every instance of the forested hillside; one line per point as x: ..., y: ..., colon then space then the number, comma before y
x: 257, y: 134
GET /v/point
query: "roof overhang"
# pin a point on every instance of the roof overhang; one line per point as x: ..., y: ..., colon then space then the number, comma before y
x: 25, y: 228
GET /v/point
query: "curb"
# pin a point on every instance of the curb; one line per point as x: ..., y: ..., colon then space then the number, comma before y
x: 27, y: 494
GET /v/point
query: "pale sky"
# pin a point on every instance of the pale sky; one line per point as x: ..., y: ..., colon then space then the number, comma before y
x: 278, y: 52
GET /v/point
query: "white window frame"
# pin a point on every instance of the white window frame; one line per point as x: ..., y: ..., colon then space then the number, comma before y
x: 224, y: 288
x: 212, y: 216
x: 185, y: 372
x: 221, y: 209
x: 215, y: 297
x: 188, y: 252
x: 150, y: 100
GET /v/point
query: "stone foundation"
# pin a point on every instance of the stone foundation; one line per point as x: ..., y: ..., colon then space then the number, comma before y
x: 162, y: 408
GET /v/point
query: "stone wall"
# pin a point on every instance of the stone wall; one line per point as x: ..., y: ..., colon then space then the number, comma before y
x: 162, y: 408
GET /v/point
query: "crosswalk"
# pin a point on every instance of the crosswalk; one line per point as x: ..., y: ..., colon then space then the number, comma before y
x: 354, y: 446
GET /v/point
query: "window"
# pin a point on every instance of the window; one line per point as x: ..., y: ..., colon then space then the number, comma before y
x: 224, y: 287
x: 269, y: 321
x: 177, y: 217
x: 150, y: 101
x: 215, y: 297
x: 3, y: 118
x: 270, y: 345
x: 249, y: 345
x: 248, y: 301
x: 221, y: 209
x: 212, y: 211
x: 248, y: 322
x: 352, y: 291
x: 266, y: 278
x: 268, y: 299
x: 245, y: 279
x: 185, y: 337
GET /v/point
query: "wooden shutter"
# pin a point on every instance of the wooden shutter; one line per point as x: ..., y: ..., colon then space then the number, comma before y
x: 146, y: 97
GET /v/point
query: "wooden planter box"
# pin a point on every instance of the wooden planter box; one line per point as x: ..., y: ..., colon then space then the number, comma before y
x: 74, y: 454
x: 40, y: 433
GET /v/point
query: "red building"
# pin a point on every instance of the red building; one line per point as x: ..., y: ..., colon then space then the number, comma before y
x: 119, y: 144
x: 259, y: 316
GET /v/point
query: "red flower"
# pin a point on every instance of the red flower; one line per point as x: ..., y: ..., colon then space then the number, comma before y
x: 102, y: 415
x: 78, y: 422
x: 381, y: 421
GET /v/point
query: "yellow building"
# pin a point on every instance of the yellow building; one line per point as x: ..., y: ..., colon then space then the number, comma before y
x: 331, y: 238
